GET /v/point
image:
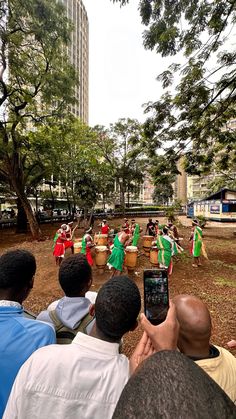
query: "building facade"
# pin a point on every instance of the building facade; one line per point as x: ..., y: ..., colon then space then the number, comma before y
x: 78, y: 53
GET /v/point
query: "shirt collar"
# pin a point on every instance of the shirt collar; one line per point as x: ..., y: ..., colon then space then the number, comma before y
x: 97, y: 345
x: 7, y: 303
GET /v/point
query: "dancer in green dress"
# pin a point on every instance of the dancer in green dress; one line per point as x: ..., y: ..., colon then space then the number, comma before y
x: 116, y: 259
x: 165, y: 247
x: 136, y: 230
x: 196, y: 238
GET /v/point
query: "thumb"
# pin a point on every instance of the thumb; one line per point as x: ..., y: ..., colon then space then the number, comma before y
x: 145, y: 323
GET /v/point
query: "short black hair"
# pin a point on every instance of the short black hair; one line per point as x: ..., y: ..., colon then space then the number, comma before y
x: 165, y: 230
x: 17, y: 268
x: 169, y: 385
x: 74, y: 274
x: 117, y: 306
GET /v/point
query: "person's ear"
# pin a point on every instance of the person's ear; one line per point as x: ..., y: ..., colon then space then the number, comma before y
x: 92, y: 310
x: 31, y: 283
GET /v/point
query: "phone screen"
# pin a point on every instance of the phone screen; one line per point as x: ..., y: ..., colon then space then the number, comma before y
x: 156, y: 299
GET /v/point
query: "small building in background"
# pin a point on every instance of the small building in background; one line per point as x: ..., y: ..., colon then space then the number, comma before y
x: 220, y: 206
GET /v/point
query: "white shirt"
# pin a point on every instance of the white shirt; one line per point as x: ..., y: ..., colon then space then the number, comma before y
x: 81, y: 380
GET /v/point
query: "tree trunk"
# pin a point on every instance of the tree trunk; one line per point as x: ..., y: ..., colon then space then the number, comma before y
x: 33, y: 224
x: 122, y: 198
x: 21, y: 226
x: 52, y: 196
x: 68, y: 200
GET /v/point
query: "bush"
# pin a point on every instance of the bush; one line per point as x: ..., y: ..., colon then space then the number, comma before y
x: 202, y: 221
x: 141, y: 209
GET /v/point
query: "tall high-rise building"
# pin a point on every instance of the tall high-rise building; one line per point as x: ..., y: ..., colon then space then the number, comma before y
x: 78, y: 52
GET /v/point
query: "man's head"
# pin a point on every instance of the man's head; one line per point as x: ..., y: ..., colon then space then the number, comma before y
x: 195, y: 222
x: 17, y: 269
x: 117, y: 307
x: 104, y: 221
x: 89, y: 230
x: 169, y: 385
x: 150, y: 220
x: 133, y: 221
x: 195, y: 325
x: 165, y: 230
x: 75, y: 275
x: 70, y: 224
x: 64, y: 227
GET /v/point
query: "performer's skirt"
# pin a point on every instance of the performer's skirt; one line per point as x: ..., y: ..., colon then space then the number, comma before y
x: 68, y: 243
x: 59, y: 250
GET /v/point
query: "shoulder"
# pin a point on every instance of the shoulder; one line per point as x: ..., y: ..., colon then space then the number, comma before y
x: 38, y: 330
x: 226, y: 354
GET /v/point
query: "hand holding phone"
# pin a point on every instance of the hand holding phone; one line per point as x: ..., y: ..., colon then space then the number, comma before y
x: 165, y: 335
x: 156, y: 296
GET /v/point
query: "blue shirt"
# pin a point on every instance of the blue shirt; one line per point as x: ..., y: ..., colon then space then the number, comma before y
x: 19, y: 338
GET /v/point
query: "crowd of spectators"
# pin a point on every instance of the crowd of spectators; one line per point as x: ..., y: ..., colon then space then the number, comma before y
x: 68, y: 363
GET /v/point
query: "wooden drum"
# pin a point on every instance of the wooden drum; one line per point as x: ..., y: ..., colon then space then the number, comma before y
x: 154, y: 256
x: 101, y: 256
x: 101, y: 239
x: 131, y: 254
x: 147, y: 243
x: 77, y: 247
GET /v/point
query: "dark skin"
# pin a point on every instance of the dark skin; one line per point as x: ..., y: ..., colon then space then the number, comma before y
x: 195, y: 326
x: 84, y: 290
x: 16, y: 294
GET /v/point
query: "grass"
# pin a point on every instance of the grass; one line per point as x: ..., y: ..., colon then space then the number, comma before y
x: 223, y: 282
x: 226, y: 265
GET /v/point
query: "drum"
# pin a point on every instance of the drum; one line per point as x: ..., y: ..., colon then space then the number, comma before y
x: 154, y: 256
x: 101, y: 239
x: 101, y: 256
x: 77, y: 247
x: 77, y: 240
x: 147, y: 243
x: 131, y: 254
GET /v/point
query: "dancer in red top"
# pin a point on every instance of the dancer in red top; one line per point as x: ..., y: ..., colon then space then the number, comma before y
x: 59, y: 249
x: 87, y: 244
x: 69, y: 242
x: 105, y: 227
x: 126, y: 227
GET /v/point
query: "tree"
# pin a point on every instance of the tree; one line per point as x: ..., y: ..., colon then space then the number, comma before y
x: 121, y: 147
x: 191, y: 119
x: 76, y: 161
x: 36, y: 83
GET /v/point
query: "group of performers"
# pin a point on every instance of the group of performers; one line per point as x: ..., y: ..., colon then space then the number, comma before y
x: 165, y: 238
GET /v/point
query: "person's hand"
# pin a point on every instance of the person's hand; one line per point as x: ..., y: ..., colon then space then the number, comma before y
x: 142, y: 351
x: 165, y: 335
x: 231, y: 344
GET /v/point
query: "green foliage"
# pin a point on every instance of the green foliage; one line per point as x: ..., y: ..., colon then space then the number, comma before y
x: 122, y: 149
x: 202, y: 220
x: 153, y: 208
x: 36, y: 83
x: 192, y: 120
x: 72, y: 159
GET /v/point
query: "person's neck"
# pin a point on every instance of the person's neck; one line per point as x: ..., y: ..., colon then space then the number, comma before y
x: 96, y: 333
x: 6, y: 295
x: 197, y: 351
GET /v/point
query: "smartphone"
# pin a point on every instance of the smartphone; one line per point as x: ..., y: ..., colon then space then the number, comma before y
x: 156, y: 295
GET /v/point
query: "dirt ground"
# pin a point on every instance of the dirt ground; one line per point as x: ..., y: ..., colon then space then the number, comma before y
x: 214, y: 282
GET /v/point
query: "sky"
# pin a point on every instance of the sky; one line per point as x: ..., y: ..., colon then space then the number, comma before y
x: 122, y: 74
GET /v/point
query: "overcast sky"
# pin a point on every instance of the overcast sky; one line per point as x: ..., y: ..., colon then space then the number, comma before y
x: 122, y: 73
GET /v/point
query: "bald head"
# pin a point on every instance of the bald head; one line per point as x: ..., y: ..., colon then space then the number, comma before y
x: 195, y: 325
